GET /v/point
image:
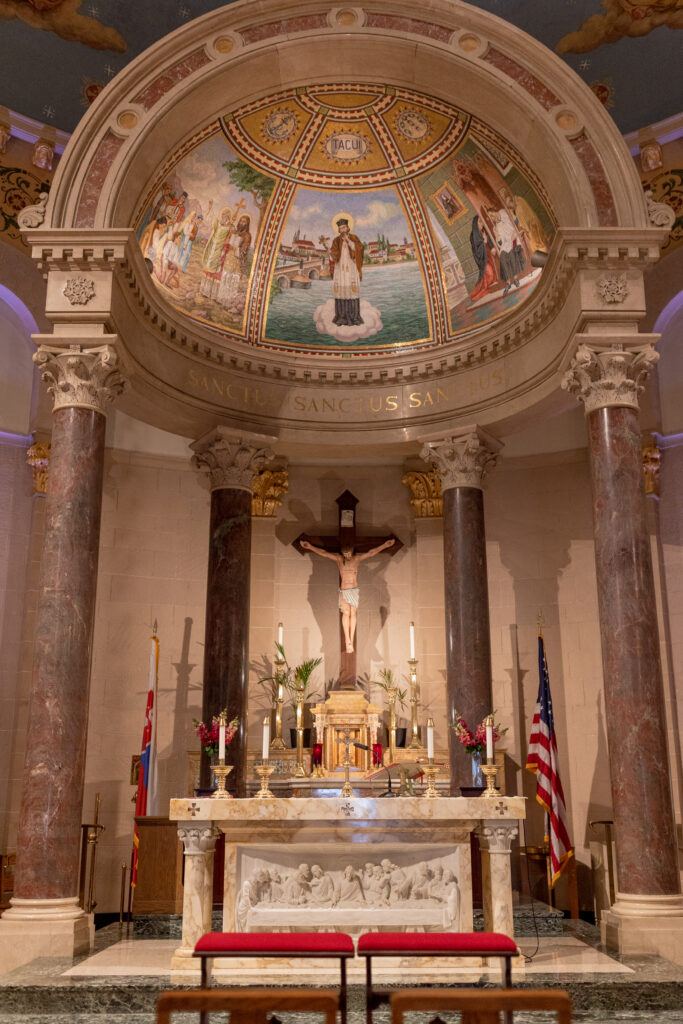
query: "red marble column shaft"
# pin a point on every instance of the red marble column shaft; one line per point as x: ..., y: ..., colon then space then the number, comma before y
x: 227, y: 625
x: 468, y: 644
x: 634, y: 701
x: 48, y: 843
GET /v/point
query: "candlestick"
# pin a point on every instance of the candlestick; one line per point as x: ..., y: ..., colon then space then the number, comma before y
x: 392, y: 692
x: 264, y: 771
x: 412, y: 640
x: 346, y: 788
x: 265, y: 745
x: 221, y: 771
x: 414, y: 727
x: 280, y: 633
x: 430, y: 739
x: 221, y: 736
x: 277, y: 742
x: 490, y: 771
x: 300, y: 771
x: 431, y: 771
x: 489, y: 739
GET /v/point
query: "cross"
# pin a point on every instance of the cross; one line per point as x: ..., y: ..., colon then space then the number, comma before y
x: 347, y: 536
x: 240, y: 206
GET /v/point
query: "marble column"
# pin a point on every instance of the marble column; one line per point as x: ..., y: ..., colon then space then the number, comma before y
x: 229, y: 461
x: 495, y: 839
x: 463, y: 459
x: 45, y: 903
x: 199, y: 845
x: 608, y: 378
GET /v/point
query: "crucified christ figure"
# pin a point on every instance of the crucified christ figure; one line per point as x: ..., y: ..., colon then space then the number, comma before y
x: 349, y: 592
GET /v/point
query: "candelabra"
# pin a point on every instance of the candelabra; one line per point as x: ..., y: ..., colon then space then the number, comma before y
x: 414, y: 728
x: 221, y: 771
x: 392, y: 692
x: 277, y: 742
x: 264, y: 771
x: 299, y: 771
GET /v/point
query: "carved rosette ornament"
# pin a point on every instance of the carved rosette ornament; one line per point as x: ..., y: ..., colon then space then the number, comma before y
x: 38, y: 458
x: 427, y: 497
x: 462, y: 460
x: 609, y: 375
x: 652, y: 459
x: 79, y: 290
x: 198, y: 838
x: 88, y: 377
x: 267, y: 487
x: 612, y: 287
x: 231, y: 462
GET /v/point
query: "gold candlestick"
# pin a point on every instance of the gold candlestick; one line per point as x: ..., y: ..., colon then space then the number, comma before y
x: 346, y: 788
x: 414, y: 728
x: 277, y: 742
x: 300, y: 771
x: 221, y: 771
x: 392, y: 692
x: 431, y: 771
x: 264, y: 771
x: 490, y: 771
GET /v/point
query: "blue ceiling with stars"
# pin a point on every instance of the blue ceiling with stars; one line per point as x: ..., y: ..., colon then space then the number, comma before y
x: 63, y: 53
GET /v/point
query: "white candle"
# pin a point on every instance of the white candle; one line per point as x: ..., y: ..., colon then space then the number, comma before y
x: 430, y: 739
x: 412, y: 639
x: 265, y: 749
x: 489, y: 741
x: 221, y: 742
x: 280, y: 633
x: 280, y: 693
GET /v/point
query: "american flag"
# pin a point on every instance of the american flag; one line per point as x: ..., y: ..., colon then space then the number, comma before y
x: 146, y: 800
x: 542, y: 759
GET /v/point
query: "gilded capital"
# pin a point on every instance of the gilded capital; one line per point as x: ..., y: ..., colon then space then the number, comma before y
x: 609, y: 375
x: 427, y: 498
x: 230, y: 460
x: 462, y: 460
x: 38, y: 458
x: 79, y: 375
x: 268, y: 485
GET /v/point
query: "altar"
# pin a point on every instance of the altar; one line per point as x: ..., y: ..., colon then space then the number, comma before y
x: 352, y: 865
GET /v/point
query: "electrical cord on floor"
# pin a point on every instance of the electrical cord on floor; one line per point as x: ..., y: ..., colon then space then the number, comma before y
x: 528, y: 957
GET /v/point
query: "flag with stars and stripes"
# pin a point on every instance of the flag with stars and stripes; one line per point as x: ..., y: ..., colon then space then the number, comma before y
x: 542, y: 759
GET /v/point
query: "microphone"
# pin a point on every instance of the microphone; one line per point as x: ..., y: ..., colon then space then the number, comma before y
x: 363, y: 746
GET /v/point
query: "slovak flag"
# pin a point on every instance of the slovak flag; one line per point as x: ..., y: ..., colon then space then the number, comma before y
x: 146, y: 800
x: 542, y: 759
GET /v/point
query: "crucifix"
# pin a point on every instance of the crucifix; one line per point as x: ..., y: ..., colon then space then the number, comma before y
x: 347, y: 549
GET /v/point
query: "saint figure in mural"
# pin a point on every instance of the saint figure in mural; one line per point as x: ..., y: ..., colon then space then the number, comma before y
x: 510, y: 251
x: 482, y: 250
x: 346, y: 263
x: 213, y: 251
x: 233, y: 262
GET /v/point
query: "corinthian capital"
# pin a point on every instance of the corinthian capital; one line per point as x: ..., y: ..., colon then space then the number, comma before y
x: 229, y: 459
x: 463, y: 459
x: 79, y: 375
x: 608, y: 375
x: 198, y: 838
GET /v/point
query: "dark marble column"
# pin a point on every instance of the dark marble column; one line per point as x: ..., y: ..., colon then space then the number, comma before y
x: 48, y: 842
x: 608, y: 380
x: 230, y: 462
x: 463, y: 461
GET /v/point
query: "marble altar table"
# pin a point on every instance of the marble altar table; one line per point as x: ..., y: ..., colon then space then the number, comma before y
x: 350, y: 864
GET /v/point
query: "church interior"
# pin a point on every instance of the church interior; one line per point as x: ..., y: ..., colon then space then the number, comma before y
x: 392, y: 286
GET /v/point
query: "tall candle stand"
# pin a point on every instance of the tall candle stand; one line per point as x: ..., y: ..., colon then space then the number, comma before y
x: 392, y: 692
x: 221, y: 771
x: 264, y: 771
x: 414, y: 728
x: 299, y: 771
x: 346, y: 788
x: 277, y: 742
x: 431, y: 770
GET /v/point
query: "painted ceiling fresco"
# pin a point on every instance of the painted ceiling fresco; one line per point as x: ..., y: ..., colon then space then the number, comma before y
x: 345, y: 219
x: 58, y: 54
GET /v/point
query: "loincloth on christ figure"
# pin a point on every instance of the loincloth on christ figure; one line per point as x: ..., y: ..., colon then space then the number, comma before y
x: 351, y: 597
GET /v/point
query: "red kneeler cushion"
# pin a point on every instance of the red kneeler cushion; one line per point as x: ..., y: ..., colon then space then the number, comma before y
x: 475, y: 943
x: 274, y: 943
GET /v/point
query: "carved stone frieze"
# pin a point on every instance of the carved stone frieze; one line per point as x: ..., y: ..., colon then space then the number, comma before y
x: 80, y: 376
x: 427, y: 497
x: 229, y: 460
x: 497, y: 836
x: 612, y: 287
x: 38, y: 458
x: 462, y: 460
x: 33, y: 216
x: 79, y: 290
x: 608, y: 375
x: 198, y: 838
x: 652, y: 459
x: 268, y: 485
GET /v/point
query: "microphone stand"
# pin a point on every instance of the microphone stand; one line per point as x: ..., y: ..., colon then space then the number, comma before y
x: 389, y: 791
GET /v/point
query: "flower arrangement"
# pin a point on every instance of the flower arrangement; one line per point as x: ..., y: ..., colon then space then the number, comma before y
x: 209, y: 734
x: 475, y: 742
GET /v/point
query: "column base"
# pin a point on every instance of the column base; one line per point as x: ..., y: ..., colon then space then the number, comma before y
x: 645, y: 924
x: 44, y: 928
x: 183, y: 961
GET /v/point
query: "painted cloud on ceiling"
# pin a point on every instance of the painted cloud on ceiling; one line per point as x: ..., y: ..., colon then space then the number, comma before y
x: 61, y: 17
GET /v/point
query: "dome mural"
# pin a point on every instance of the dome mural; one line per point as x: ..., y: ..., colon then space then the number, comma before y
x: 345, y: 219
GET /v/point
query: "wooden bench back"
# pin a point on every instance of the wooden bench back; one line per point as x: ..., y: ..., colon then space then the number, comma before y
x: 248, y: 1006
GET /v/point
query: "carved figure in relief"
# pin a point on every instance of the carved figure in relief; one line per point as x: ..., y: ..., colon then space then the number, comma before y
x: 400, y: 883
x: 350, y: 888
x: 452, y: 908
x: 420, y: 883
x: 377, y: 887
x: 349, y: 593
x: 245, y: 901
x: 322, y: 887
x: 277, y: 892
x: 297, y: 887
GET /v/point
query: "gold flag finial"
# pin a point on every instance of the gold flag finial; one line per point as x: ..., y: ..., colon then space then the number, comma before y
x: 539, y: 620
x: 154, y: 629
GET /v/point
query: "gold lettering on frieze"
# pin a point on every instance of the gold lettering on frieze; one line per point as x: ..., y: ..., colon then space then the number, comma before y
x: 213, y: 386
